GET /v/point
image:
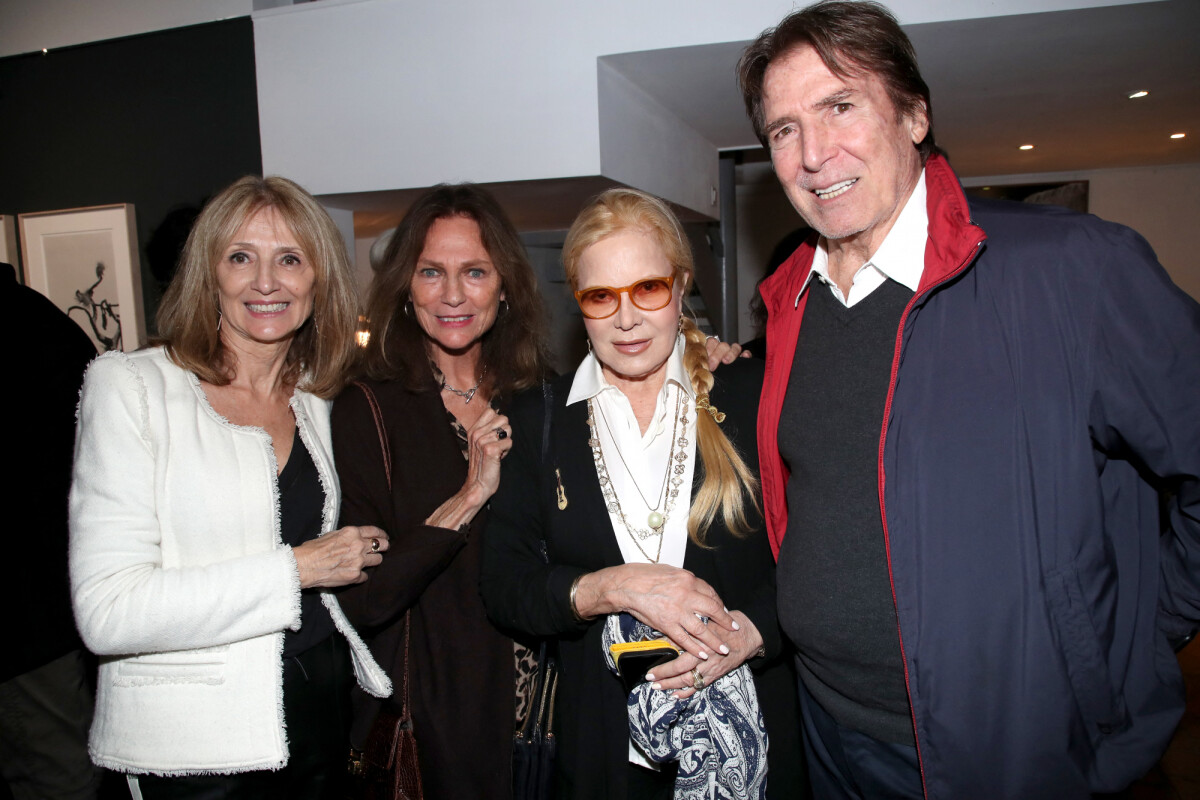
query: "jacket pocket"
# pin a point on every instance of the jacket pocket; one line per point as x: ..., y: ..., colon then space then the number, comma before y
x: 1087, y: 668
x: 205, y: 665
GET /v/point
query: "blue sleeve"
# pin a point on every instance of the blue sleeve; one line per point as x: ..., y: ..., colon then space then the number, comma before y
x: 1146, y: 406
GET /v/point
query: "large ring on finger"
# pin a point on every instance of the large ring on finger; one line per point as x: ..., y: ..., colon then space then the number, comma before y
x: 374, y: 545
x: 501, y: 434
x: 697, y: 679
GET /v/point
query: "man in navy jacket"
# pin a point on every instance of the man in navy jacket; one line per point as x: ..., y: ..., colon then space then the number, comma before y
x: 980, y: 451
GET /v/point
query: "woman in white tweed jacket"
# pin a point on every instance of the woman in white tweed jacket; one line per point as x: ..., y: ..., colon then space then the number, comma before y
x: 202, y: 481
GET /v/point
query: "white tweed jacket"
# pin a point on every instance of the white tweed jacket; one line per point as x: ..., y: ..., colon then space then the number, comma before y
x: 179, y: 577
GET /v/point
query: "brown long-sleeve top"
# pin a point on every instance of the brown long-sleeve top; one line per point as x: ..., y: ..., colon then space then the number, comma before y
x: 460, y: 667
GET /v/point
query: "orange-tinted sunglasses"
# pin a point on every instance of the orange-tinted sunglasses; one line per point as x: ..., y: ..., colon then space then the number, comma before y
x: 601, y: 302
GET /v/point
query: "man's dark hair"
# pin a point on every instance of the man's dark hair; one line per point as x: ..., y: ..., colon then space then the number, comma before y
x: 853, y: 39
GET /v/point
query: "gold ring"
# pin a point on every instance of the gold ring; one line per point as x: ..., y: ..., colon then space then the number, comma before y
x: 697, y: 679
x: 374, y: 545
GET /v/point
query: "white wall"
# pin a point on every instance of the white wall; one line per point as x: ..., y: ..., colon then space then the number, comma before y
x: 1160, y: 203
x: 365, y: 95
x: 344, y: 219
x: 386, y: 94
x: 643, y: 144
x: 361, y: 95
x: 30, y: 25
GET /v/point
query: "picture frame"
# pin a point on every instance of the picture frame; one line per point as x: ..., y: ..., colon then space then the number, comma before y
x: 86, y: 261
x: 8, y: 242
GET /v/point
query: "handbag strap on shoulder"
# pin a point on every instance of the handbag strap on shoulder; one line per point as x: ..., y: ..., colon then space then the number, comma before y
x: 386, y: 450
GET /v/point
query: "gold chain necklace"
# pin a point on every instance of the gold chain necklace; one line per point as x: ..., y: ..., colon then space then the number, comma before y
x: 675, y: 469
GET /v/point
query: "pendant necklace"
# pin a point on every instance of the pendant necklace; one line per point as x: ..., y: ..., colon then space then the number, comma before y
x: 465, y: 394
x: 672, y: 477
x: 655, y: 519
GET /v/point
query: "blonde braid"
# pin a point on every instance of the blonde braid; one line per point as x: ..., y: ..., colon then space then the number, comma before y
x: 727, y: 480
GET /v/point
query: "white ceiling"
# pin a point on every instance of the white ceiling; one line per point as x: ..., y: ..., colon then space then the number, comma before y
x: 1058, y: 80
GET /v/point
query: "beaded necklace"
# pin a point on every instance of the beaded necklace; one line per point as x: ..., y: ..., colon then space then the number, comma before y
x: 675, y: 468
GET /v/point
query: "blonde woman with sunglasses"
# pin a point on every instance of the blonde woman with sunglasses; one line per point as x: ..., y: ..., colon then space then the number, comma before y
x: 640, y: 496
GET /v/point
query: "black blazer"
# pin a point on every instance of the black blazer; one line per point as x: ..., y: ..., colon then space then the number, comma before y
x: 524, y: 594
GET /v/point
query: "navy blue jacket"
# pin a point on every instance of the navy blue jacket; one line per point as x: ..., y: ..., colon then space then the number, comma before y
x: 1045, y: 389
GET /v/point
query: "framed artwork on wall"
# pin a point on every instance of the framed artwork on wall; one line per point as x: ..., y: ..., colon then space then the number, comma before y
x: 8, y: 241
x: 86, y: 261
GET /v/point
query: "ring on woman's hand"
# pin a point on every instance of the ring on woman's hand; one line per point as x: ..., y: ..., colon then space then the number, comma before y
x: 501, y: 434
x: 697, y: 679
x: 374, y: 545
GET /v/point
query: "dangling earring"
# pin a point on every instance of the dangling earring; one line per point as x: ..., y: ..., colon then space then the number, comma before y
x: 408, y: 304
x: 505, y: 310
x: 220, y: 317
x: 589, y: 344
x: 681, y: 324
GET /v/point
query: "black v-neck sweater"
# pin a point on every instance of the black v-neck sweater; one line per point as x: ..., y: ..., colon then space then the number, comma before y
x: 835, y: 597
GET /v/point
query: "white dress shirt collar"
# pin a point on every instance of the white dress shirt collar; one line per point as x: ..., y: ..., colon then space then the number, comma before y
x: 901, y: 257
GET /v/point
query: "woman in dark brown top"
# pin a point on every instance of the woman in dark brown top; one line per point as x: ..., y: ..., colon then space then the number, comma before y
x: 456, y: 328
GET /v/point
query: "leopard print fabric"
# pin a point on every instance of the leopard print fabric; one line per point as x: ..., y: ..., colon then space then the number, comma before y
x: 524, y: 659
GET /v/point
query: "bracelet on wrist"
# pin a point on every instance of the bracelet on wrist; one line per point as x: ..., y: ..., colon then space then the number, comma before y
x: 571, y: 600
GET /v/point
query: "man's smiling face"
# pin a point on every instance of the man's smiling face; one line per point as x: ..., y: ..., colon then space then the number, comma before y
x: 846, y: 159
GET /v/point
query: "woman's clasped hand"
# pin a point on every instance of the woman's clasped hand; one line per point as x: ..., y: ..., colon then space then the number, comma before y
x: 339, y: 557
x: 682, y: 607
x: 488, y: 440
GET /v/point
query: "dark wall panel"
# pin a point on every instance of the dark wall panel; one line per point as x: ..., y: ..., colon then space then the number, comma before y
x: 160, y: 120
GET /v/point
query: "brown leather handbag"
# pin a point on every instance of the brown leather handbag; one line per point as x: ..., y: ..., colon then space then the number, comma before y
x: 393, y: 771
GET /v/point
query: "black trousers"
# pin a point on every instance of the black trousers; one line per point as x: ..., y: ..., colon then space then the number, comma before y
x: 316, y: 707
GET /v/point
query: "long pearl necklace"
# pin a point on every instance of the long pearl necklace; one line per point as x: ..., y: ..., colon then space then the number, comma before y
x: 673, y: 476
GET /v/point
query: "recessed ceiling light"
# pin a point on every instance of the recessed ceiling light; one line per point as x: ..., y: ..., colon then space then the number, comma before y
x: 1025, y: 147
x: 1137, y: 94
x: 1178, y: 135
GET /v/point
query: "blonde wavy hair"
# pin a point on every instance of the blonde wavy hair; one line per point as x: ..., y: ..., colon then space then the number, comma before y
x: 729, y: 488
x: 323, y: 351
